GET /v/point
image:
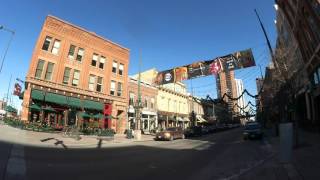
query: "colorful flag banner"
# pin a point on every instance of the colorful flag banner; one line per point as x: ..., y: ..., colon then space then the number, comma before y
x: 234, y: 61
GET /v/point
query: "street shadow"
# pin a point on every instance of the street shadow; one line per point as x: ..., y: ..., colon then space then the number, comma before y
x: 99, y: 144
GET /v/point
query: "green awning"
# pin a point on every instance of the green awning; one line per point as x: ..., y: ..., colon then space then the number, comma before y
x: 56, y: 98
x: 11, y: 109
x: 49, y: 109
x: 111, y: 117
x: 99, y: 116
x: 35, y: 107
x: 37, y: 94
x: 87, y: 104
x: 74, y: 102
x: 84, y: 115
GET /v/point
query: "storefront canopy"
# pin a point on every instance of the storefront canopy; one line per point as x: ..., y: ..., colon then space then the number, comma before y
x: 200, y: 119
x: 87, y: 104
x: 74, y: 102
x: 35, y: 107
x: 84, y: 115
x: 56, y: 98
x: 99, y: 116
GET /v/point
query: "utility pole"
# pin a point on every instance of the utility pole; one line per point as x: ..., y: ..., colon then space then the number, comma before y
x: 138, y: 106
x: 8, y: 90
x: 8, y: 45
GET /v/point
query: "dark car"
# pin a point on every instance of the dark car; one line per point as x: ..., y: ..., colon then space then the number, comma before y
x: 170, y: 134
x: 252, y: 131
x: 193, y: 131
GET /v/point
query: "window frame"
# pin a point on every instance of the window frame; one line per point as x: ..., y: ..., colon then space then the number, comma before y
x: 49, y: 73
x: 44, y: 43
x: 38, y: 69
x: 64, y: 75
x: 78, y: 54
x: 55, y: 49
x: 73, y: 78
x: 114, y: 67
x: 112, y: 89
x: 102, y: 63
x: 94, y: 60
x: 121, y: 70
x: 99, y: 84
x: 119, y: 89
x: 91, y: 83
x: 69, y: 52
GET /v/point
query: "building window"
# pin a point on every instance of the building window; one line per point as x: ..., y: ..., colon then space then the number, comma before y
x: 39, y: 69
x: 91, y: 82
x: 71, y: 51
x: 131, y: 98
x: 94, y: 60
x: 152, y: 103
x: 76, y: 77
x: 112, y: 88
x: 66, y: 75
x: 102, y: 61
x: 145, y: 102
x: 46, y: 43
x: 49, y: 71
x: 114, y: 66
x: 99, y: 84
x: 119, y: 90
x: 121, y: 69
x: 80, y: 54
x: 56, y: 47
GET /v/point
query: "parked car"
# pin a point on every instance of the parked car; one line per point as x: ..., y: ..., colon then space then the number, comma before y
x: 252, y: 131
x: 170, y: 134
x: 193, y: 131
x: 212, y: 128
x: 205, y: 130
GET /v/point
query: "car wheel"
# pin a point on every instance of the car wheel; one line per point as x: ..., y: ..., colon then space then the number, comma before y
x: 183, y: 136
x: 171, y: 138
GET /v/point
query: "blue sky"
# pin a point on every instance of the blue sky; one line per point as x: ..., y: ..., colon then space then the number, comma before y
x: 168, y: 33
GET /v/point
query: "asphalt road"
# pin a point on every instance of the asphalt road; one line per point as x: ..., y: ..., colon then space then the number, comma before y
x: 215, y: 156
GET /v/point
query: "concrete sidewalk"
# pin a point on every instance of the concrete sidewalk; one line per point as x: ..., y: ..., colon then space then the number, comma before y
x: 58, y: 140
x: 305, y: 162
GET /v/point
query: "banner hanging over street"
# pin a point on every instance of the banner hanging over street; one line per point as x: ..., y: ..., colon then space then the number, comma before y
x: 237, y: 60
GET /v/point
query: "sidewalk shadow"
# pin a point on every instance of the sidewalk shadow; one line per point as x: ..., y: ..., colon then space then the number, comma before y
x: 99, y: 144
x: 58, y: 142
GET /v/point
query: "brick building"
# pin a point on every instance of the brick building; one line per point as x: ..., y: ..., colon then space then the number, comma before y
x: 298, y: 24
x: 226, y: 85
x: 76, y: 77
x: 149, y: 118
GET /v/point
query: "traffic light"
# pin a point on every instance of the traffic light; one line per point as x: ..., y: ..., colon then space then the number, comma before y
x: 17, y: 89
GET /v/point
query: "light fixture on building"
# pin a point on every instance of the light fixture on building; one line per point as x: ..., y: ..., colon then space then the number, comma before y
x: 41, y: 87
x: 64, y: 92
x: 85, y: 96
x: 49, y: 89
x: 57, y: 91
x: 71, y: 94
x: 78, y: 95
x: 276, y: 7
x: 91, y: 97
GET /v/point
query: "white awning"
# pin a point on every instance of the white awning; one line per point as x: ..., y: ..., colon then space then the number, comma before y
x: 180, y: 119
x: 200, y: 119
x: 131, y: 109
x: 149, y: 112
x: 186, y: 119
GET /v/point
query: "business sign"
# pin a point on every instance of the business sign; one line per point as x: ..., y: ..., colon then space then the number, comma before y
x: 237, y: 60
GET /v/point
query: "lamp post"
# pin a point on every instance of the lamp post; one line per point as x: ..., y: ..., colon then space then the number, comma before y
x: 138, y: 107
x: 8, y: 45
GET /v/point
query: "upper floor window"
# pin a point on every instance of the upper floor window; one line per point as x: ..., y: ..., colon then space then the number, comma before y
x: 56, y: 47
x: 131, y: 98
x: 91, y: 82
x: 119, y: 90
x: 102, y: 61
x: 94, y: 60
x: 76, y: 77
x: 112, y: 88
x: 146, y: 102
x: 66, y: 75
x: 114, y: 66
x: 46, y: 43
x: 121, y: 67
x: 71, y: 51
x: 49, y: 71
x: 39, y: 69
x: 99, y: 84
x: 80, y: 54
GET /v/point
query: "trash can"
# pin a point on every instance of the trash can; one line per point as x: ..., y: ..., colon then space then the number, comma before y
x: 129, y: 134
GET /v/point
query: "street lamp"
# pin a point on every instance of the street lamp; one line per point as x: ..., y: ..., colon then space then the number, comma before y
x: 8, y: 45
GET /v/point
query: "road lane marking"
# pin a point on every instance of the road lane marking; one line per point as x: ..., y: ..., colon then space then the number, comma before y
x: 16, y: 167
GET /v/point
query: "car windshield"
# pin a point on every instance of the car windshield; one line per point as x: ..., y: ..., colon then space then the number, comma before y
x: 252, y: 126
